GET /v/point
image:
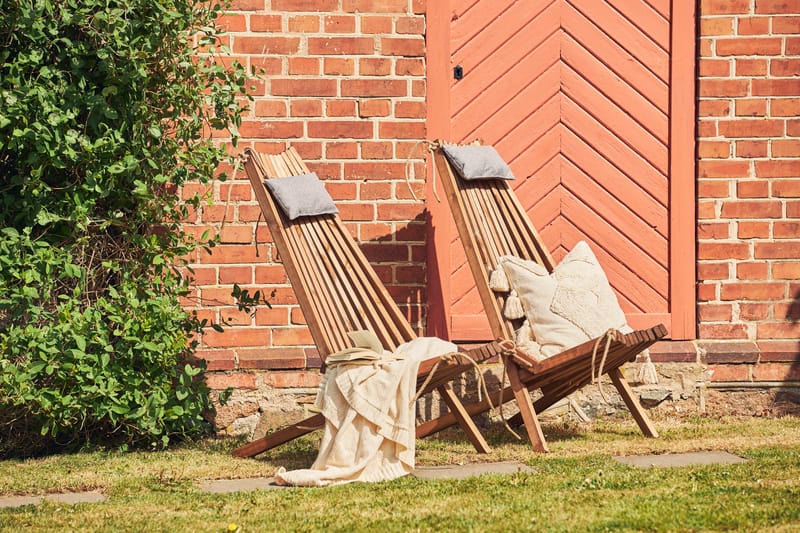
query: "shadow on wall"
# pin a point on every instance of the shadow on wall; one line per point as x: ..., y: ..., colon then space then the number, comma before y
x: 793, y: 313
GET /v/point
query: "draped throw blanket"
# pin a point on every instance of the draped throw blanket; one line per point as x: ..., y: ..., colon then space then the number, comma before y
x: 369, y: 412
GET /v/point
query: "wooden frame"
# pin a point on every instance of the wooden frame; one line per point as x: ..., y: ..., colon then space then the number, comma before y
x: 492, y: 223
x: 338, y: 292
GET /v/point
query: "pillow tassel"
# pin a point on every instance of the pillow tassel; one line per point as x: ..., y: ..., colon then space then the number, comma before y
x: 525, y: 341
x: 513, y: 307
x: 498, y: 281
x: 647, y: 372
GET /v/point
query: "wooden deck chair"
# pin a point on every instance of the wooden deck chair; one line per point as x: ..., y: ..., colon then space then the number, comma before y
x: 338, y: 291
x: 492, y: 223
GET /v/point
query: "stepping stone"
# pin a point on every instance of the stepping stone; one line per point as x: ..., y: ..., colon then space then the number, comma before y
x: 224, y: 486
x: 465, y: 471
x: 70, y: 498
x: 681, y: 459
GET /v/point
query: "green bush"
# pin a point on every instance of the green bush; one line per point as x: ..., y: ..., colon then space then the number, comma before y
x: 106, y: 109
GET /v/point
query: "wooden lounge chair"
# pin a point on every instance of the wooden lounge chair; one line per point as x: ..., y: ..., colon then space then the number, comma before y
x: 492, y: 223
x: 338, y: 292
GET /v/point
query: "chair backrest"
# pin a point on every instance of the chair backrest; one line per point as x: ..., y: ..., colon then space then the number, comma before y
x: 491, y: 223
x: 337, y: 289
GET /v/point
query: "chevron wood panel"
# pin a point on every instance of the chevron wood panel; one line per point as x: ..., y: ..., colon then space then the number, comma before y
x: 575, y: 95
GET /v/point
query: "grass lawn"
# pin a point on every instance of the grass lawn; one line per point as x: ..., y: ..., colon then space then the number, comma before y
x: 577, y: 487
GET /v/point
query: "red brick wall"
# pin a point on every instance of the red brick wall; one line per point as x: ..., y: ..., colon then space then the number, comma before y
x: 748, y: 208
x: 344, y: 83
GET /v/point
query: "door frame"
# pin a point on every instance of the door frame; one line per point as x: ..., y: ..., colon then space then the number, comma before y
x: 682, y: 168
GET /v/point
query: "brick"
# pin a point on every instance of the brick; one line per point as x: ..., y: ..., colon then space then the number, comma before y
x: 293, y: 380
x: 377, y: 150
x: 723, y: 373
x: 231, y: 22
x: 337, y: 129
x: 374, y: 87
x: 270, y: 274
x: 751, y: 67
x: 406, y: 109
x: 752, y: 25
x: 296, y: 317
x: 777, y: 6
x: 272, y: 358
x: 784, y: 107
x: 778, y: 168
x: 266, y: 23
x: 752, y: 291
x: 236, y: 234
x: 410, y: 25
x: 785, y: 25
x: 232, y: 316
x: 337, y: 66
x: 401, y: 130
x: 376, y: 191
x: 306, y: 108
x: 374, y: 66
x: 719, y: 88
x: 217, y: 359
x: 753, y: 230
x: 752, y: 209
x: 786, y: 230
x: 341, y: 108
x: 723, y: 169
x: 784, y: 67
x: 375, y: 232
x: 706, y: 210
x: 714, y: 68
x: 232, y: 253
x: 706, y: 128
x: 793, y: 209
x: 776, y: 87
x: 713, y: 271
x: 775, y: 250
x: 271, y: 129
x: 357, y: 212
x: 714, y: 149
x: 303, y: 87
x: 728, y: 250
x: 203, y: 275
x: 707, y: 292
x: 705, y: 47
x: 779, y: 351
x: 401, y: 46
x: 716, y: 26
x: 785, y: 148
x: 752, y: 271
x: 236, y: 336
x: 222, y: 381
x: 753, y: 312
x: 266, y: 65
x: 749, y: 46
x: 270, y: 108
x: 266, y: 45
x: 724, y: 7
x: 752, y: 189
x: 751, y: 108
x: 339, y: 24
x: 368, y: 170
x: 722, y: 331
x: 304, y: 65
x: 246, y: 5
x: 409, y: 67
x: 345, y: 150
x: 792, y: 45
x: 305, y: 5
x: 776, y: 372
x: 789, y: 270
x: 751, y: 148
x: 674, y: 352
x: 375, y: 6
x: 304, y: 24
x: 793, y: 128
x: 728, y: 352
x: 374, y: 108
x: 340, y: 45
x: 380, y: 24
x: 309, y: 150
x: 714, y: 312
x: 751, y: 128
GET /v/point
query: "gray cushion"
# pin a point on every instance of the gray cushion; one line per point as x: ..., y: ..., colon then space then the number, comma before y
x: 303, y: 195
x: 477, y: 162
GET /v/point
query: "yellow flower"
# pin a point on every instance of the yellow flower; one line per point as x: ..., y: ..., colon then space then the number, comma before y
x: 233, y: 528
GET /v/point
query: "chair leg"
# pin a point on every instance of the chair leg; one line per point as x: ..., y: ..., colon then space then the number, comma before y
x: 525, y: 405
x: 464, y: 420
x: 277, y: 438
x: 634, y: 407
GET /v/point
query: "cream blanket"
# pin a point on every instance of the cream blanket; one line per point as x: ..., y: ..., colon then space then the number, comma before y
x: 369, y: 415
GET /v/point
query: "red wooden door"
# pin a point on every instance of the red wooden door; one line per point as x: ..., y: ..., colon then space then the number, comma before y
x: 591, y: 103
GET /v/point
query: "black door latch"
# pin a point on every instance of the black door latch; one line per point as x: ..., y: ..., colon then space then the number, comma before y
x: 458, y: 72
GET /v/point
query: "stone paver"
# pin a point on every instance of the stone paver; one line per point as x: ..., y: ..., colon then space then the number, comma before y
x: 222, y: 486
x: 681, y: 459
x: 465, y: 471
x: 70, y: 498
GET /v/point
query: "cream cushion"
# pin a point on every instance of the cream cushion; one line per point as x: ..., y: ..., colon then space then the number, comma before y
x: 568, y: 307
